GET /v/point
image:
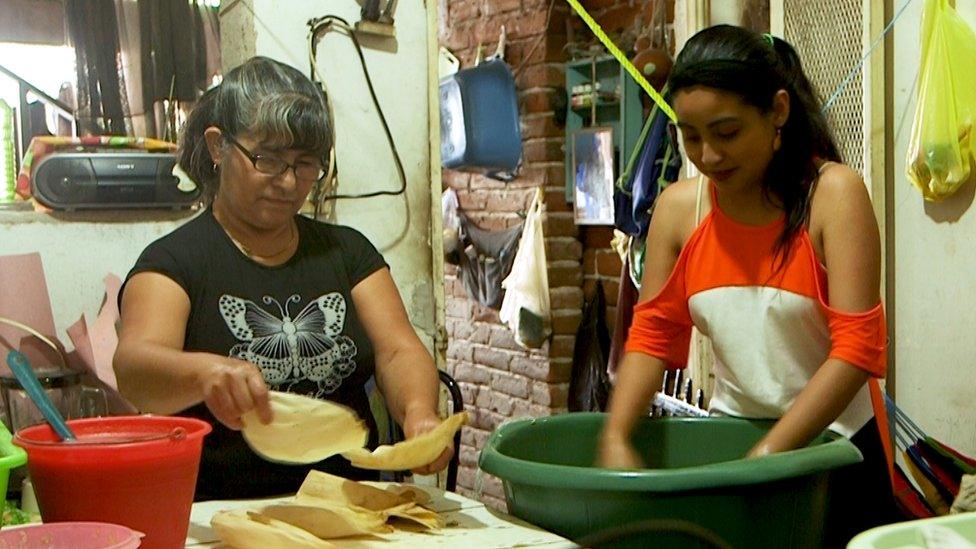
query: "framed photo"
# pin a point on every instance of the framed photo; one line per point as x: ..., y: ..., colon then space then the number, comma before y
x: 592, y: 150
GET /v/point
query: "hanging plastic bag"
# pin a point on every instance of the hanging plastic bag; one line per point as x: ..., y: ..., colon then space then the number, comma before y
x: 942, y: 148
x: 589, y: 384
x: 525, y: 307
x: 451, y: 222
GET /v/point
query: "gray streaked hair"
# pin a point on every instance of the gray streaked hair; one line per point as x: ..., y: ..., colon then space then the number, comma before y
x: 264, y: 99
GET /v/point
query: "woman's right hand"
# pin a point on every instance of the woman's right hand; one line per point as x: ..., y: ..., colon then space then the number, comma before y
x: 233, y: 387
x: 616, y: 452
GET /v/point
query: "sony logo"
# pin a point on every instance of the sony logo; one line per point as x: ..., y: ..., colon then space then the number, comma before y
x: 125, y: 166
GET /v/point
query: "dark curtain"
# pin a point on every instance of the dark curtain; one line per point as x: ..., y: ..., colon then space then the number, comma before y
x: 102, y: 105
x: 179, y: 50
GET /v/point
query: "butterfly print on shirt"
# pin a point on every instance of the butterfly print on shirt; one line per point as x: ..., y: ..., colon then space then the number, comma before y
x: 289, y: 350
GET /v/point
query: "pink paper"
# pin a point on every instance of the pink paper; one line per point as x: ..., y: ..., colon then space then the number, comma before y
x: 24, y: 299
x: 95, y: 348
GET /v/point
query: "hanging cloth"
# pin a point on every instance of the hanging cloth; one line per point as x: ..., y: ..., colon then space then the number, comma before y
x: 484, y: 259
x: 653, y: 164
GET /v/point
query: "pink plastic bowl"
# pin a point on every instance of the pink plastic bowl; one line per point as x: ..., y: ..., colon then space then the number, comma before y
x: 71, y: 535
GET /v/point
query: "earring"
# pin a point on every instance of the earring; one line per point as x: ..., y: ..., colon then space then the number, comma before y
x: 778, y: 140
x: 216, y: 166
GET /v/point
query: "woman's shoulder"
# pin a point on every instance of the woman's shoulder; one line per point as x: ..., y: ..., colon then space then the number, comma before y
x: 839, y: 192
x: 189, y: 235
x: 676, y: 208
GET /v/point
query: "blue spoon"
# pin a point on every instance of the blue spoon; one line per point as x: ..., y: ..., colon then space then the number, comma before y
x: 21, y: 368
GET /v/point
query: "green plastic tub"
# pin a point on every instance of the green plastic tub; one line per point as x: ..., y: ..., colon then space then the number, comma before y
x: 696, y: 473
x: 908, y: 534
x: 10, y: 457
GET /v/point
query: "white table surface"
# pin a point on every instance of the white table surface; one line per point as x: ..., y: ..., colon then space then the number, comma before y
x: 468, y: 524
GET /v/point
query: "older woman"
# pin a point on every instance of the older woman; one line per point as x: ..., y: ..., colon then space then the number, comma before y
x: 249, y: 296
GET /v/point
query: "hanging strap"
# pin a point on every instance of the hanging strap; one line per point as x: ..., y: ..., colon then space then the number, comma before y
x: 636, y: 152
x: 698, y: 199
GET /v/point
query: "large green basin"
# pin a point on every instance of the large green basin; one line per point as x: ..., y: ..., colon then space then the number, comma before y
x: 696, y: 473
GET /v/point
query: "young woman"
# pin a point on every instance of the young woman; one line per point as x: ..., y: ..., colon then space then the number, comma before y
x: 250, y: 296
x: 774, y: 254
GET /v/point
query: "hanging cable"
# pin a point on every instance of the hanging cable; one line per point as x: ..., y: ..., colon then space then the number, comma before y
x: 320, y: 25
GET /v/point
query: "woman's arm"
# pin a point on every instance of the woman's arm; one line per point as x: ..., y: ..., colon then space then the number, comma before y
x: 640, y: 375
x: 852, y: 255
x: 157, y: 376
x: 405, y: 371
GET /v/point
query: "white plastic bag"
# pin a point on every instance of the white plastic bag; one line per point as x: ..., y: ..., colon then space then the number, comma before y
x: 452, y: 222
x: 525, y: 308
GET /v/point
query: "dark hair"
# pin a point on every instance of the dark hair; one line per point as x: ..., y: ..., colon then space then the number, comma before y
x: 755, y: 67
x: 271, y: 101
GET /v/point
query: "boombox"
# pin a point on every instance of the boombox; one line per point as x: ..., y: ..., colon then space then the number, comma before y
x: 109, y: 180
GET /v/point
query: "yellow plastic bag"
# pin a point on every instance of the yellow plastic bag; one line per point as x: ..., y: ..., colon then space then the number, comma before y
x: 942, y: 150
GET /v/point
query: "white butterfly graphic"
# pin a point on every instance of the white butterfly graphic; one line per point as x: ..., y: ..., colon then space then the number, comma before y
x: 310, y: 346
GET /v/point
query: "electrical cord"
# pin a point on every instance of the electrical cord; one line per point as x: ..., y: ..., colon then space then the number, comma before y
x: 316, y: 27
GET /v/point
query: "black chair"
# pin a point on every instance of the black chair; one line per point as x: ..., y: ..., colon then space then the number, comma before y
x: 457, y: 405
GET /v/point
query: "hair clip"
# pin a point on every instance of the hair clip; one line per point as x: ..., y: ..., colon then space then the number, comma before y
x: 769, y: 38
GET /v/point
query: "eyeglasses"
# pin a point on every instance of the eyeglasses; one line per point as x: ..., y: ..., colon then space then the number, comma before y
x: 274, y: 166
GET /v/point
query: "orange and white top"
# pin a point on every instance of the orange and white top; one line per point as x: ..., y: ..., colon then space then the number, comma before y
x: 769, y: 320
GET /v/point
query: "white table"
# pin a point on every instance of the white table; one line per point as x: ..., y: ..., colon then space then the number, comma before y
x: 468, y: 524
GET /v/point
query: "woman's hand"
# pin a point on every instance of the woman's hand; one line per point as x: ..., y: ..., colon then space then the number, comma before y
x: 616, y: 452
x: 416, y: 425
x: 233, y: 387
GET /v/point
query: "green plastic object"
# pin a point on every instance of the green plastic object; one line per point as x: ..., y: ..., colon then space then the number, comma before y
x: 908, y: 534
x: 10, y: 457
x: 8, y: 167
x: 696, y: 473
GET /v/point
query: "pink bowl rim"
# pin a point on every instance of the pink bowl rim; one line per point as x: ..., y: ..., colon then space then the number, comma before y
x: 52, y: 527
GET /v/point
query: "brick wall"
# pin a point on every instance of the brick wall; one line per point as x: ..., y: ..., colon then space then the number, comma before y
x: 500, y: 380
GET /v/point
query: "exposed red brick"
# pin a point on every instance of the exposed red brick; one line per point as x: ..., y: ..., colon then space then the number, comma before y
x: 563, y: 248
x: 565, y: 273
x: 510, y: 384
x: 596, y: 237
x: 501, y: 404
x: 618, y: 18
x: 472, y: 373
x: 480, y: 182
x: 468, y: 456
x: 540, y: 125
x: 566, y: 322
x: 540, y: 100
x: 550, y: 394
x: 559, y: 224
x: 562, y: 346
x: 559, y: 369
x: 492, y: 357
x: 473, y: 437
x: 608, y: 263
x: 462, y: 11
x: 502, y: 338
x: 542, y: 149
x: 566, y: 298
x: 556, y: 200
x: 542, y: 75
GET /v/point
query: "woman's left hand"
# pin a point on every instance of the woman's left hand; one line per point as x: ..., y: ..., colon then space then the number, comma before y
x: 418, y: 425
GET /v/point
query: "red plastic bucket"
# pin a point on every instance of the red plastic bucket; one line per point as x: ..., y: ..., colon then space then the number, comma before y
x: 138, y: 471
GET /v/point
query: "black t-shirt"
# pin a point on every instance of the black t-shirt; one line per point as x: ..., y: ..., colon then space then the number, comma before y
x: 296, y: 321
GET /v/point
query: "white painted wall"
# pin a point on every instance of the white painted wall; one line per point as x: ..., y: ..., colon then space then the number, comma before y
x: 935, y: 273
x: 79, y: 249
x: 399, y: 226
